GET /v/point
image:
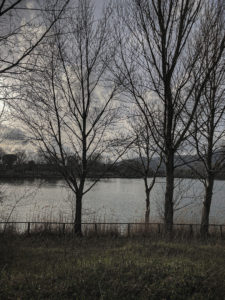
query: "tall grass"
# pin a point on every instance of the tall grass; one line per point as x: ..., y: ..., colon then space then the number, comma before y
x: 150, y: 230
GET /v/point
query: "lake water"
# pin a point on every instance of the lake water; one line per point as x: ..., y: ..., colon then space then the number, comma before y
x: 111, y: 200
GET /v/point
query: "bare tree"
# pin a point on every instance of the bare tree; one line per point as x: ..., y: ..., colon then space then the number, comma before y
x: 147, y: 158
x: 207, y: 132
x: 159, y: 57
x: 21, y: 30
x: 21, y: 158
x: 67, y: 104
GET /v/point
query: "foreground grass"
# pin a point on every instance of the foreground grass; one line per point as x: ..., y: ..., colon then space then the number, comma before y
x: 103, y: 268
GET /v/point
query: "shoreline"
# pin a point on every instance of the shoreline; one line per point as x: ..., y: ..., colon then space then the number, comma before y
x: 59, y: 177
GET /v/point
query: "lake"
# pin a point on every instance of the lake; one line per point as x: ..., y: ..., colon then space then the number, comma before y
x: 111, y: 200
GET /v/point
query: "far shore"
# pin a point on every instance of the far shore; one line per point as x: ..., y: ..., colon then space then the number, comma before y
x: 98, y: 177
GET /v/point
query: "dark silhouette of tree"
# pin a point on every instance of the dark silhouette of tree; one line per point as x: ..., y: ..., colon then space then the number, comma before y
x: 9, y: 160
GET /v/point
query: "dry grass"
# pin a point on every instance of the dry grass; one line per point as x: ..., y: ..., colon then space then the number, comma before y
x: 54, y: 267
x: 154, y: 231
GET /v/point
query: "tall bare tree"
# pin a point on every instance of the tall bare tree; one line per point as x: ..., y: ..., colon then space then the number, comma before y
x: 147, y: 159
x: 22, y: 29
x: 160, y: 59
x: 67, y: 102
x: 207, y: 132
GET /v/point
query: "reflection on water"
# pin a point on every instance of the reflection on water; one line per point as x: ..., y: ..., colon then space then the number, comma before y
x: 111, y: 200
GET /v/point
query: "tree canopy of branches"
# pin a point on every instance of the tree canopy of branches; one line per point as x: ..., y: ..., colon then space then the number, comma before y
x: 23, y: 27
x: 21, y: 31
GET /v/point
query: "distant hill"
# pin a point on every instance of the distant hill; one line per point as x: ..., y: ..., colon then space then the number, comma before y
x: 185, y: 166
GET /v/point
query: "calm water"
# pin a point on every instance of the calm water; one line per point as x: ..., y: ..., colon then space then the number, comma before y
x: 119, y: 200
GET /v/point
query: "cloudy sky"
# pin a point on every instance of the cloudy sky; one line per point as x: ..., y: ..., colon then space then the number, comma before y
x: 12, y: 136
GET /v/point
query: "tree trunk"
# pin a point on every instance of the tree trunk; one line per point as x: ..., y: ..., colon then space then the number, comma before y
x: 147, y: 211
x: 204, y: 230
x: 78, y: 216
x: 168, y: 210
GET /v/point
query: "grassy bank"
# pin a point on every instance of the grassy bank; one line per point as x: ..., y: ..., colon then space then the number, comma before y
x: 104, y: 268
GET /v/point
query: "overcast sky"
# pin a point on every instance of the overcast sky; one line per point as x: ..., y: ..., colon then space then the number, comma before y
x: 13, y: 139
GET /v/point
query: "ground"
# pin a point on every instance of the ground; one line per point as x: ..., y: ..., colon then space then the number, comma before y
x: 111, y: 268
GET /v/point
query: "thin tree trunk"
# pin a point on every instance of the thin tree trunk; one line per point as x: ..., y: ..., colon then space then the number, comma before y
x: 168, y: 212
x: 78, y: 216
x: 147, y: 211
x: 204, y: 230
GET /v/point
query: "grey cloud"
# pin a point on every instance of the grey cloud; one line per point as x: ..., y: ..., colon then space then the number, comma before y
x: 14, y: 134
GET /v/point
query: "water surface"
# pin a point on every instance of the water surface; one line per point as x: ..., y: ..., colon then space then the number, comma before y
x: 111, y: 200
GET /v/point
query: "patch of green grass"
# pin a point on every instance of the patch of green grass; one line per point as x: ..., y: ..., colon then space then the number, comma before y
x: 104, y: 268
